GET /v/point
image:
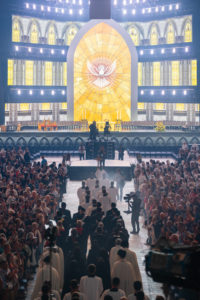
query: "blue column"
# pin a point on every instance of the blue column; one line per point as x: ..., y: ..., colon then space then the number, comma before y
x: 5, y: 42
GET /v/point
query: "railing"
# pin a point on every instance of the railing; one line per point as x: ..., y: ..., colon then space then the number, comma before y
x: 47, y: 126
x: 151, y: 125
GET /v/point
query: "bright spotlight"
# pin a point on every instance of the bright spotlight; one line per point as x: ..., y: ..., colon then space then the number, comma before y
x: 63, y: 92
x: 30, y: 92
x: 16, y: 48
x: 163, y: 92
x: 52, y: 51
x: 53, y: 93
x: 141, y: 52
x: 41, y: 50
x: 185, y: 92
x: 142, y: 92
x: 152, y: 92
x: 174, y: 92
x: 152, y: 52
x: 42, y: 92
x: 163, y: 51
x: 19, y: 92
x: 29, y: 49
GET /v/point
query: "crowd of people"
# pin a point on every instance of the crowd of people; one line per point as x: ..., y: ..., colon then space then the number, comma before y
x: 29, y: 197
x: 86, y: 255
x: 170, y: 196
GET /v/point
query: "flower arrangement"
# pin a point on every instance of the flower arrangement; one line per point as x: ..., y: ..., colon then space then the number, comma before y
x: 160, y: 127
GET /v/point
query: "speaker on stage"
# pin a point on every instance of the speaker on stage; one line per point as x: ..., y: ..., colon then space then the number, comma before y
x: 100, y: 9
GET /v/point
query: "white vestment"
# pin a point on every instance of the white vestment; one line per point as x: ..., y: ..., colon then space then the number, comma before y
x: 132, y: 258
x: 113, y: 255
x: 116, y: 295
x: 124, y: 271
x: 92, y: 287
x: 56, y: 263
x: 105, y: 203
x: 43, y: 274
x: 113, y: 193
x: 56, y: 296
x: 80, y: 191
x: 133, y: 297
x: 95, y: 193
x: 68, y: 296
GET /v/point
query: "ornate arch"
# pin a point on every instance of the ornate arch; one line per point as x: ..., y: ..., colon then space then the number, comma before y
x: 166, y: 31
x: 187, y: 35
x: 66, y: 29
x: 154, y: 29
x: 136, y: 30
x: 21, y: 28
x: 50, y: 25
x: 30, y: 25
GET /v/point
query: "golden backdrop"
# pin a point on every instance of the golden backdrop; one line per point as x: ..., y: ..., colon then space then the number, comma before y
x: 102, y: 76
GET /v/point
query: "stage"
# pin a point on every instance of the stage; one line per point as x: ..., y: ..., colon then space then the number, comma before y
x: 82, y: 169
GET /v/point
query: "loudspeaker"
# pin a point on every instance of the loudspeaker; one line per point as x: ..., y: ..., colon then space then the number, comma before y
x: 100, y: 9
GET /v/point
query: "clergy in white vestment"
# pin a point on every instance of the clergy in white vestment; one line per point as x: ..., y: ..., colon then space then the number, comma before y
x: 104, y: 181
x: 55, y: 262
x: 91, y: 285
x: 113, y: 192
x: 99, y: 173
x: 132, y: 258
x: 90, y: 182
x: 43, y: 274
x: 138, y: 291
x: 96, y: 190
x: 80, y: 191
x: 114, y: 292
x: 124, y: 271
x: 105, y: 202
x: 47, y: 292
x: 113, y: 253
x: 74, y: 291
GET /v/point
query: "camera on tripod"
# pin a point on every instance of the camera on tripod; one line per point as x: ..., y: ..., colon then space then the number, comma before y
x: 51, y: 231
x: 128, y: 199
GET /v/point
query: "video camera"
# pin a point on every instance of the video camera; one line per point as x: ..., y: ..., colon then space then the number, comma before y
x: 128, y: 199
x: 51, y: 231
x: 172, y: 265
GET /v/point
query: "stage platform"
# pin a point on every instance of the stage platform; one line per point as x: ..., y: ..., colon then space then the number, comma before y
x: 82, y: 169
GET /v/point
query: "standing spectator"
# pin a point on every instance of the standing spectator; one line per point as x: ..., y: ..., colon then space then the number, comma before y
x: 81, y: 151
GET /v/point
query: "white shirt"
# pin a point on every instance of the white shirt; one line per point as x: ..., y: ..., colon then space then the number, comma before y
x: 116, y: 295
x: 92, y: 287
x: 68, y: 296
x: 113, y: 193
x: 124, y: 271
x: 133, y: 297
x: 43, y: 274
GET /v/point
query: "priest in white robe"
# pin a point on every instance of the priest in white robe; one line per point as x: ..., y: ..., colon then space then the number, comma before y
x: 43, y: 274
x: 91, y: 285
x: 124, y: 271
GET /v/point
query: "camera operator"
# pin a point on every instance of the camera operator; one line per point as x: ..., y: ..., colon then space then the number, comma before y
x: 135, y: 206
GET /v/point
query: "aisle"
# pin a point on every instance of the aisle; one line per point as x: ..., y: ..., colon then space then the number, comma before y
x: 137, y: 242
